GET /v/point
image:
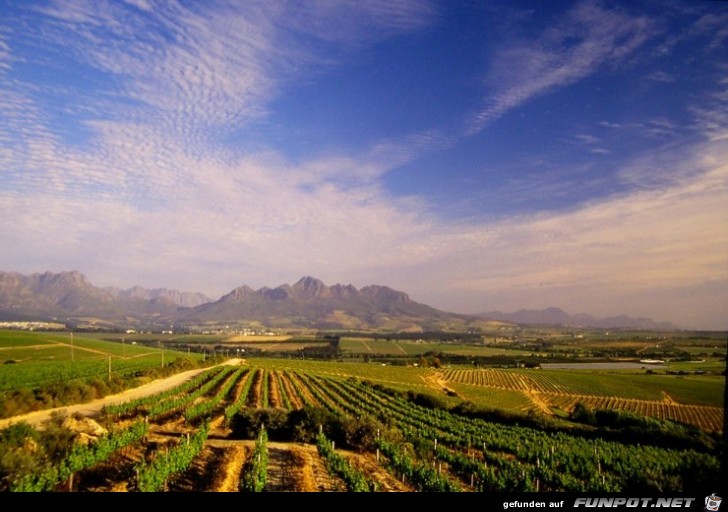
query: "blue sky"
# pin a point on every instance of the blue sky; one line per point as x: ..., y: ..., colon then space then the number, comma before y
x: 477, y: 155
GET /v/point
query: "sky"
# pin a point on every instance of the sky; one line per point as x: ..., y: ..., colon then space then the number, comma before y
x: 478, y: 155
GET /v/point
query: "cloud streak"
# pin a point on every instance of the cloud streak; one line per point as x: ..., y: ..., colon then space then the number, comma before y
x: 589, y: 37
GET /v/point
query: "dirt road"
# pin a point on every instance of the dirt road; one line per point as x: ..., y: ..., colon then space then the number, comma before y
x: 95, y: 406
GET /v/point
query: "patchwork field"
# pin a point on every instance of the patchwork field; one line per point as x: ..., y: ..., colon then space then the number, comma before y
x: 696, y: 400
x: 188, y: 439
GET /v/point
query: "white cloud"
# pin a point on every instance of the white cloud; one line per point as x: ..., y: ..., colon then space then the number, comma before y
x: 587, y: 138
x: 214, y: 225
x: 589, y: 38
x: 656, y: 243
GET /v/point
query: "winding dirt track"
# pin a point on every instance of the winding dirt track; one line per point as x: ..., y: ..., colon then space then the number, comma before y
x: 94, y: 407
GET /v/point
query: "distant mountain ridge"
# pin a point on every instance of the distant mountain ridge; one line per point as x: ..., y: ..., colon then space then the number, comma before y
x: 69, y: 296
x: 184, y: 299
x: 557, y: 316
x: 307, y: 303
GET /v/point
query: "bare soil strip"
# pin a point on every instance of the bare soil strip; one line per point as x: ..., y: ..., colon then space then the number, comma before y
x: 436, y: 381
x: 274, y: 396
x: 367, y: 464
x: 45, y: 345
x: 536, y: 400
x: 227, y: 478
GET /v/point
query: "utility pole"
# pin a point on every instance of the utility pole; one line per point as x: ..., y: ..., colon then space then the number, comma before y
x: 109, y: 367
x: 72, y: 359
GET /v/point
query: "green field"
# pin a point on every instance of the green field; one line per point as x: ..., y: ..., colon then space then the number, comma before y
x: 9, y: 339
x: 414, y: 348
x: 157, y: 337
x: 684, y: 389
x: 491, y: 398
x: 34, y: 359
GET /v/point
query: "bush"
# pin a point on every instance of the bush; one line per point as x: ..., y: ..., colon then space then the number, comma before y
x: 361, y: 433
x: 304, y: 424
x: 426, y: 400
x: 248, y: 422
x: 582, y: 413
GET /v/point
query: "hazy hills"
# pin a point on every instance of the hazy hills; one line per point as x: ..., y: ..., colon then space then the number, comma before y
x: 556, y: 316
x: 68, y: 296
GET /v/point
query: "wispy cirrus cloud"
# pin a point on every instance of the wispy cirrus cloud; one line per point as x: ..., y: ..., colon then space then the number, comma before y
x: 588, y: 38
x: 5, y: 56
x: 198, y: 71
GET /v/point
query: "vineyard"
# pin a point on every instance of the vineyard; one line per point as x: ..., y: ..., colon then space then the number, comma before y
x: 344, y: 433
x: 562, y: 390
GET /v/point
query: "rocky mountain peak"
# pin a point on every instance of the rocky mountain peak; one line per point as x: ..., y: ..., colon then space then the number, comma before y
x: 309, y: 287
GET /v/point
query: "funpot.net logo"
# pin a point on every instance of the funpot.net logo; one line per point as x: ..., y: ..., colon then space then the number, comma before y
x: 712, y: 503
x: 636, y: 503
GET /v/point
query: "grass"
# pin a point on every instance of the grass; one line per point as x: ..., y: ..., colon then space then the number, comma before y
x: 491, y: 398
x: 20, y: 339
x: 691, y: 389
x: 708, y: 365
x: 157, y: 337
x: 414, y: 348
x: 698, y: 390
x: 45, y: 353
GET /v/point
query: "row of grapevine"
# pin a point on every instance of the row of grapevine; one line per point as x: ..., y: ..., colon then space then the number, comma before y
x: 255, y: 474
x: 291, y: 395
x: 153, y: 476
x: 206, y: 407
x: 133, y: 405
x: 702, y: 416
x: 423, y: 477
x: 264, y: 391
x: 355, y: 480
x: 81, y: 457
x: 318, y: 392
x: 303, y: 393
x: 232, y: 409
x: 618, y: 465
x: 178, y: 402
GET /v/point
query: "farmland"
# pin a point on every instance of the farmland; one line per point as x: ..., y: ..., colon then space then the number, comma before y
x: 290, y: 423
x: 694, y: 400
x: 163, y: 442
x: 34, y: 359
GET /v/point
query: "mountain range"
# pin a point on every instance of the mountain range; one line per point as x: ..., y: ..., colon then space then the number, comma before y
x: 69, y: 297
